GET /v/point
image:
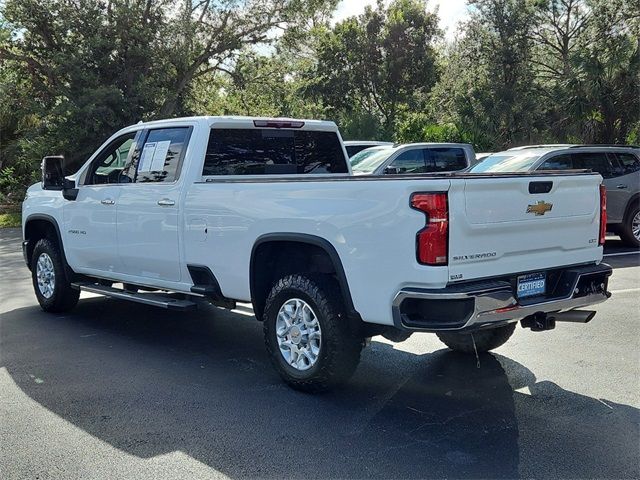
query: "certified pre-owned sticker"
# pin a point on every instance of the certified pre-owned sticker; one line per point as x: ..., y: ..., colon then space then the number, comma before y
x: 474, y: 256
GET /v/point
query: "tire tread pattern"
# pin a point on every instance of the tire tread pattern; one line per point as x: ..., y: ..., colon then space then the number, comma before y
x: 64, y: 296
x: 340, y: 349
x: 626, y: 231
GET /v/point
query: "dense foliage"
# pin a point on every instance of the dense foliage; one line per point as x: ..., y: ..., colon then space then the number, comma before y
x: 519, y: 71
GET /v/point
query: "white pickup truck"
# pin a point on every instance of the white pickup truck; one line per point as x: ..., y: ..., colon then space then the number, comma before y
x: 224, y: 209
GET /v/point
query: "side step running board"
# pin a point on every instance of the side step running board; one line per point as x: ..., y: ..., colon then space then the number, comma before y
x: 162, y: 300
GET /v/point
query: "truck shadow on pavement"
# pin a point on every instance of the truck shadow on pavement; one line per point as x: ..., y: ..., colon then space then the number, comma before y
x: 149, y: 382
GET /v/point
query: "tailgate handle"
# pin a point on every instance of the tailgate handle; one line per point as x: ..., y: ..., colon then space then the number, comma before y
x: 540, y: 187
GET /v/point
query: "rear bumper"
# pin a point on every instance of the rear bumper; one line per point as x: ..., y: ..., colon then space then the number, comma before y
x: 481, y: 304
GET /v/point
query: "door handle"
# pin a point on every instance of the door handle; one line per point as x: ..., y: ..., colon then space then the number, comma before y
x: 166, y: 202
x: 107, y: 201
x: 622, y: 186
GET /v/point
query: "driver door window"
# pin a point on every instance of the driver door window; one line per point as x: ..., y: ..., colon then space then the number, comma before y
x: 108, y: 167
x: 411, y: 161
x: 559, y: 162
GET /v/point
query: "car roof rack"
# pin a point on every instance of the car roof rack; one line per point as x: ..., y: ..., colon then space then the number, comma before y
x: 616, y: 145
x: 544, y: 145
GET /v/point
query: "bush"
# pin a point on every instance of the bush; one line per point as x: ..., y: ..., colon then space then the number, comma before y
x: 10, y: 220
x: 418, y: 127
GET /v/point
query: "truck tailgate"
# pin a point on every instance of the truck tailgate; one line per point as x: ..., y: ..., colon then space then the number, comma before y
x: 512, y: 224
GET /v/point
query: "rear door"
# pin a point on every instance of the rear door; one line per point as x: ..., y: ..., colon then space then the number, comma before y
x: 445, y: 159
x: 622, y: 185
x: 148, y: 240
x: 510, y: 224
x: 428, y: 160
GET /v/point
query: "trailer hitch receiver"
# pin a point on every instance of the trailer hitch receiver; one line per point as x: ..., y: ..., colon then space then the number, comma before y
x: 539, y: 322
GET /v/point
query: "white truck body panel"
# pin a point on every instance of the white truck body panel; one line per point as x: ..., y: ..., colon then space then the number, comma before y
x: 216, y: 221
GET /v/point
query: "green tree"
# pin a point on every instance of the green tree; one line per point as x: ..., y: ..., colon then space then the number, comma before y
x: 586, y: 58
x: 374, y: 65
x: 605, y: 87
x: 488, y: 86
x: 76, y: 71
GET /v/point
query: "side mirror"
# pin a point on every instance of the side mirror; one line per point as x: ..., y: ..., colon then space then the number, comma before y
x: 391, y: 170
x: 53, y: 177
x: 52, y: 173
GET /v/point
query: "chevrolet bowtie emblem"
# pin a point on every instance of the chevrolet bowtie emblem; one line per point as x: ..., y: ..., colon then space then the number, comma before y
x: 540, y: 208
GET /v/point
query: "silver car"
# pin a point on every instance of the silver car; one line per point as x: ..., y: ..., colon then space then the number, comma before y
x: 413, y: 158
x: 618, y: 165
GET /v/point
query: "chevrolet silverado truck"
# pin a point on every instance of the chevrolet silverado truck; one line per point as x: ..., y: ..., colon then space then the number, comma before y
x: 174, y: 213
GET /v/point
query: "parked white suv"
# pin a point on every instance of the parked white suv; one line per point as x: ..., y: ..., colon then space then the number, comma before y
x: 265, y: 211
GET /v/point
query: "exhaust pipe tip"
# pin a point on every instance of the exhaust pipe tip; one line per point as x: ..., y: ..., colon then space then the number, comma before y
x: 540, y: 322
x: 574, y: 316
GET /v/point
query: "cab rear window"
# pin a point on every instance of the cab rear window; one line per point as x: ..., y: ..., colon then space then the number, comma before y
x: 273, y: 152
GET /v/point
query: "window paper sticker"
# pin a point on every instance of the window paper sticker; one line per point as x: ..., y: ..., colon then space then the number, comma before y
x: 160, y: 155
x: 146, y: 157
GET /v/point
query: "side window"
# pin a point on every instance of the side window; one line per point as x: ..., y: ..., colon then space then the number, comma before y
x: 445, y: 159
x: 160, y: 156
x: 559, y: 162
x: 595, y: 161
x: 273, y: 152
x: 110, y: 163
x: 411, y: 161
x: 627, y: 163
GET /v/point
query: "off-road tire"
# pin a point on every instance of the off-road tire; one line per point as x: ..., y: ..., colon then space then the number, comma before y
x: 64, y: 297
x: 485, y: 340
x: 626, y: 232
x: 340, y: 347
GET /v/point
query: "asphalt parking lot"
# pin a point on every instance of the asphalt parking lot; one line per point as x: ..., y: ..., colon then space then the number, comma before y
x: 120, y: 390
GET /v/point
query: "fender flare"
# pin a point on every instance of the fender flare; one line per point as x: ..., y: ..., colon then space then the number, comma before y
x: 51, y: 220
x: 308, y: 239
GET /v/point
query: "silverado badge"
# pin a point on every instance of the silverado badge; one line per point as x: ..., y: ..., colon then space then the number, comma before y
x: 540, y: 208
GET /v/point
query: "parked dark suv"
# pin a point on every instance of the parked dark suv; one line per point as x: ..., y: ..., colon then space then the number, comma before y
x: 618, y: 165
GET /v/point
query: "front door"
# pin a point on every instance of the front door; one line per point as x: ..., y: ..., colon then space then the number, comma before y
x: 148, y: 239
x: 89, y: 229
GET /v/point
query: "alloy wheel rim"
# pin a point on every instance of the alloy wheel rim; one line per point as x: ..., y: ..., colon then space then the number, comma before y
x: 298, y: 333
x: 635, y: 225
x: 46, y: 275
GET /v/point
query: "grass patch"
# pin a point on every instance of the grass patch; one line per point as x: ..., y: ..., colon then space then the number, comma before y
x: 9, y: 220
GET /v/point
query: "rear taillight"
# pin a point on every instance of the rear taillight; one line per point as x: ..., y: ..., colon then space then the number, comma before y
x: 603, y: 215
x: 432, y: 241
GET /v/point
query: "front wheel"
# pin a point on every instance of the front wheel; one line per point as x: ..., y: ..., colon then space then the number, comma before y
x: 484, y: 340
x: 307, y: 333
x: 630, y: 231
x: 53, y: 290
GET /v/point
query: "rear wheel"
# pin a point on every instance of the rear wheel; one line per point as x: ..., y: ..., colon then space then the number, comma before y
x: 630, y: 231
x: 307, y: 333
x: 53, y: 290
x: 484, y: 340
